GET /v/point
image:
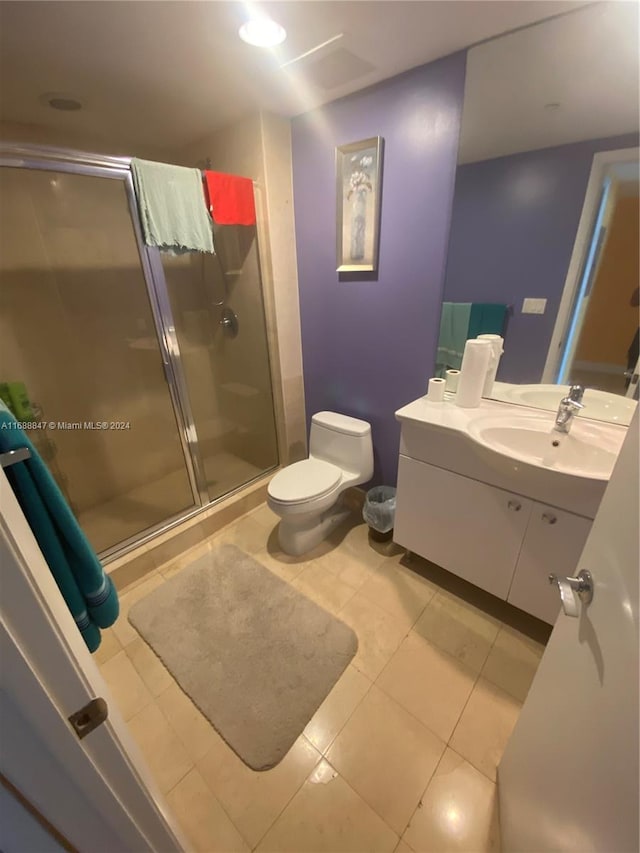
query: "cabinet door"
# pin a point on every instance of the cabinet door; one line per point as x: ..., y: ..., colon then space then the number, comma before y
x: 553, y: 543
x: 470, y: 529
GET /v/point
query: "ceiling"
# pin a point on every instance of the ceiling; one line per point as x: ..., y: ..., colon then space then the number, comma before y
x: 169, y: 73
x: 586, y: 62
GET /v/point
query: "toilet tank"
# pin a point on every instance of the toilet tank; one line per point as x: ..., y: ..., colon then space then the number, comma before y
x: 344, y: 441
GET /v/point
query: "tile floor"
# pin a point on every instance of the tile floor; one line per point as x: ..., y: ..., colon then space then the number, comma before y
x: 402, y: 754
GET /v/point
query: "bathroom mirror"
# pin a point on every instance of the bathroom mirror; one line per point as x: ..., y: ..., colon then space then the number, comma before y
x: 544, y: 232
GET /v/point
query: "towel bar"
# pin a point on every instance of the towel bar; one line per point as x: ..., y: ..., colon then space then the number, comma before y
x: 13, y: 456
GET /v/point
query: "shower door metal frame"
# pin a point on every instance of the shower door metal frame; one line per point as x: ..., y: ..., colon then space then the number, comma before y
x: 45, y: 158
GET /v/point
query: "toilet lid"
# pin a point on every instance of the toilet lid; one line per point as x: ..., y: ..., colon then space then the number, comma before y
x: 304, y: 481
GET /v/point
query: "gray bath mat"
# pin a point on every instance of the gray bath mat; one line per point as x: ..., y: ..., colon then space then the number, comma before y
x: 255, y: 655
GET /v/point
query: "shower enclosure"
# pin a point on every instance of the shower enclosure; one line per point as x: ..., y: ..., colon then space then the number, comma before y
x: 148, y: 387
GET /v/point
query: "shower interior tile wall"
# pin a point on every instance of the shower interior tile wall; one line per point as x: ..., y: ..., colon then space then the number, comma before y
x: 259, y: 146
x: 228, y: 377
x: 69, y: 288
x: 64, y: 137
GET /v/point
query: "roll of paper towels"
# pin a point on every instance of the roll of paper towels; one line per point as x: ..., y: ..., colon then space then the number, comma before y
x: 475, y: 363
x: 435, y: 392
x: 497, y: 349
x: 451, y: 380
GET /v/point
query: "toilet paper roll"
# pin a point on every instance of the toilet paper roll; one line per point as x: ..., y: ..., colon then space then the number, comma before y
x: 451, y: 380
x: 497, y: 348
x: 435, y: 392
x: 475, y: 363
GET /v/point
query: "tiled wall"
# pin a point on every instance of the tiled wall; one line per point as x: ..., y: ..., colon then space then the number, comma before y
x: 74, y: 321
x: 227, y: 376
x: 33, y: 134
x: 259, y: 147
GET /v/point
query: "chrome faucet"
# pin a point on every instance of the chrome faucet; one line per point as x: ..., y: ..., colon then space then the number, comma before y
x: 569, y: 406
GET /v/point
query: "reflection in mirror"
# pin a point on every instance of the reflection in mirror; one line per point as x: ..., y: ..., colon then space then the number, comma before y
x: 603, y: 332
x: 544, y: 234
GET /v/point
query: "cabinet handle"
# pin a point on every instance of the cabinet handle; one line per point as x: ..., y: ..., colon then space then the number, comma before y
x: 549, y: 517
x: 516, y: 506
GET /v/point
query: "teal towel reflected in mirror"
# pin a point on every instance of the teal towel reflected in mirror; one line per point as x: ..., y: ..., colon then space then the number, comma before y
x: 461, y: 321
x: 454, y: 327
x: 487, y: 318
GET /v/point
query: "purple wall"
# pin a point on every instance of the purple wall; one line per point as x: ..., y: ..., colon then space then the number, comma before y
x: 369, y: 344
x: 514, y: 225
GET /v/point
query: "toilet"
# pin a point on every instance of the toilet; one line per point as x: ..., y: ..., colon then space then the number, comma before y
x: 306, y: 495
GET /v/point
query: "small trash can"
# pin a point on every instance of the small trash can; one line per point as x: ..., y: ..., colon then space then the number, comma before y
x: 379, y: 512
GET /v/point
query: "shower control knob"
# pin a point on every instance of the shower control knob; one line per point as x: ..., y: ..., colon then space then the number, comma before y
x: 229, y: 322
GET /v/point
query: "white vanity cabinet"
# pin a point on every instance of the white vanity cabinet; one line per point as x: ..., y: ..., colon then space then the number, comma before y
x: 475, y: 498
x: 469, y: 528
x: 553, y: 542
x: 499, y: 540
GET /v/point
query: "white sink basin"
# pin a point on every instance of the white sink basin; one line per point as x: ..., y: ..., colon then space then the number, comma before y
x: 589, y: 450
x: 598, y: 405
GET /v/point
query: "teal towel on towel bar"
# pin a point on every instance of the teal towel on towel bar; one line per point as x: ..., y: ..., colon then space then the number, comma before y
x: 454, y: 327
x: 487, y: 318
x: 172, y: 207
x: 89, y: 592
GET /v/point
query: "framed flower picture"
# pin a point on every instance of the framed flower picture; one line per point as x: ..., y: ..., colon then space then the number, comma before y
x: 358, y: 191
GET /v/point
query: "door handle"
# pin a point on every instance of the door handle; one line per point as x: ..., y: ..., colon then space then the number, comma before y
x: 581, y: 585
x: 89, y: 717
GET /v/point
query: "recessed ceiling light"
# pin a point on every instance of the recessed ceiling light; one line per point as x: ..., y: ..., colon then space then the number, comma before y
x: 262, y: 32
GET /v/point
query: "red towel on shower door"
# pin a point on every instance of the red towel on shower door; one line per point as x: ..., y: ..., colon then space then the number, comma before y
x: 231, y: 199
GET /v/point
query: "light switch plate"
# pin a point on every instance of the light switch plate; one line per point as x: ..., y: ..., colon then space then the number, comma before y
x: 534, y: 306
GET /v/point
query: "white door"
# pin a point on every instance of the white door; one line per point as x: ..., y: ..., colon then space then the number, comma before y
x: 96, y: 791
x: 568, y: 780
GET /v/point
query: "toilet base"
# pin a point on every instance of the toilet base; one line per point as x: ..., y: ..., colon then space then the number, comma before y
x: 302, y: 533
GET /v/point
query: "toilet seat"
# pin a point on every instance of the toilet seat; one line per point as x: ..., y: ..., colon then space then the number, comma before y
x: 304, y: 481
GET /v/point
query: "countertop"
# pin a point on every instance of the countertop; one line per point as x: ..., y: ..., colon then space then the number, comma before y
x: 447, y: 414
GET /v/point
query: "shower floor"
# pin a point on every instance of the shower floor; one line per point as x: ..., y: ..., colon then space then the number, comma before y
x: 130, y: 513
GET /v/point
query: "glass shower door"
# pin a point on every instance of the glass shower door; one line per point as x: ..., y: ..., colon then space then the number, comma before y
x: 216, y: 304
x: 77, y: 334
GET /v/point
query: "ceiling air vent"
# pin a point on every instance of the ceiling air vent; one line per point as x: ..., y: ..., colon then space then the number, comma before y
x: 330, y: 64
x: 335, y: 68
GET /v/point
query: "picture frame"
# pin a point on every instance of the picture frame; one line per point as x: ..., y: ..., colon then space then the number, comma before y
x: 358, y: 195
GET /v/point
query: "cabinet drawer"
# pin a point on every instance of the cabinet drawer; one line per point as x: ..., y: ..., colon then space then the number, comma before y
x: 473, y: 530
x: 553, y: 543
